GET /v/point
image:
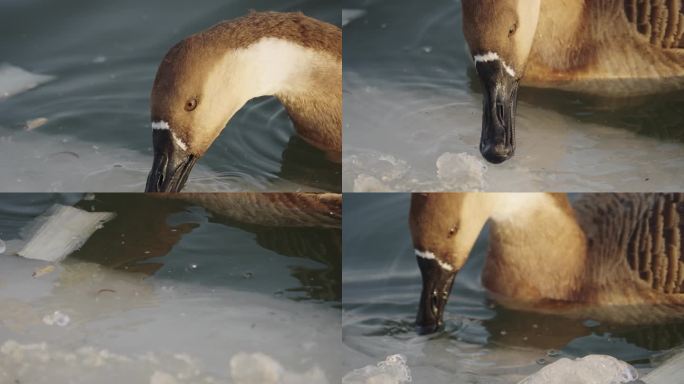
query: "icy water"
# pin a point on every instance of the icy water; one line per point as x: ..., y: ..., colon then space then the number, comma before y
x: 483, y: 342
x: 412, y: 117
x: 102, y: 58
x: 169, y: 293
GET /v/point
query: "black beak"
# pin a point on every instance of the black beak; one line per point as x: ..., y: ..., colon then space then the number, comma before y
x: 437, y: 283
x: 500, y: 96
x: 171, y: 166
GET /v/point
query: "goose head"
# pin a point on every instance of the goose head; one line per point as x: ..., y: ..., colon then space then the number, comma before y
x: 499, y: 34
x: 191, y: 102
x: 202, y: 82
x: 444, y: 227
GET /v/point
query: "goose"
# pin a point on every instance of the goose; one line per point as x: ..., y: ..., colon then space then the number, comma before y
x: 207, y: 77
x: 611, y: 257
x: 610, y: 48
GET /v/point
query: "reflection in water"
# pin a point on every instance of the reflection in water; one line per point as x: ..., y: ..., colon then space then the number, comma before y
x: 146, y: 229
x: 177, y: 265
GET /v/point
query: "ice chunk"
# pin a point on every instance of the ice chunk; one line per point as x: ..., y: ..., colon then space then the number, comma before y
x: 14, y: 80
x: 393, y: 370
x: 366, y: 183
x: 349, y: 15
x: 461, y: 172
x: 592, y: 369
x: 258, y: 368
x: 60, y: 231
x: 669, y: 372
x: 159, y: 377
x: 35, y: 123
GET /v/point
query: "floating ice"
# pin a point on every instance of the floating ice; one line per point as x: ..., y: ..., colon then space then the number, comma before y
x: 461, y: 172
x: 57, y: 318
x: 60, y: 231
x: 14, y: 80
x: 42, y: 363
x: 381, y: 172
x: 393, y: 370
x: 669, y: 372
x: 349, y: 15
x: 258, y: 368
x: 592, y: 369
x: 35, y: 123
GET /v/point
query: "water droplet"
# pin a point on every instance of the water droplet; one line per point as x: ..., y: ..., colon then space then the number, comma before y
x: 553, y: 353
x: 541, y: 362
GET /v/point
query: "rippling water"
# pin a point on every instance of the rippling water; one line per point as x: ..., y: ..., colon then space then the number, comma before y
x: 166, y: 279
x: 412, y: 103
x: 483, y: 342
x: 103, y: 57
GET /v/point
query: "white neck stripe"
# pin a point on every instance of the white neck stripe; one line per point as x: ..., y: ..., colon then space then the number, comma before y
x: 179, y: 142
x: 493, y: 56
x: 160, y: 125
x: 431, y: 256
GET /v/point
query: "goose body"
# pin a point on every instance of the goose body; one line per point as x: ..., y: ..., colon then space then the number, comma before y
x: 612, y: 257
x: 609, y: 48
x: 207, y: 77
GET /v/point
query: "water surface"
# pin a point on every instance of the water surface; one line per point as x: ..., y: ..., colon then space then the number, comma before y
x: 412, y: 117
x: 169, y: 287
x: 483, y: 342
x: 103, y: 57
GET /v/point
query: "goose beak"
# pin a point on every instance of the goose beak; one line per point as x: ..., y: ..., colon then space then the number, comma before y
x: 437, y: 283
x: 500, y: 94
x: 172, y: 164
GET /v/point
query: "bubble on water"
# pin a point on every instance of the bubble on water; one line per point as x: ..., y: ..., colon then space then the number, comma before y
x: 393, y: 370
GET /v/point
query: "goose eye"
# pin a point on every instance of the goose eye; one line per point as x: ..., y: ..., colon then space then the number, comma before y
x: 512, y: 29
x: 191, y: 104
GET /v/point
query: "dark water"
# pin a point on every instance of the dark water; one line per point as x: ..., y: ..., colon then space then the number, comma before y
x: 104, y: 56
x: 411, y: 97
x: 185, y: 243
x: 483, y: 341
x: 169, y: 287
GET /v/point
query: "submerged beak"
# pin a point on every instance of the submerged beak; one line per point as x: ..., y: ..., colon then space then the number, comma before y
x: 437, y: 283
x: 500, y: 95
x: 172, y: 164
